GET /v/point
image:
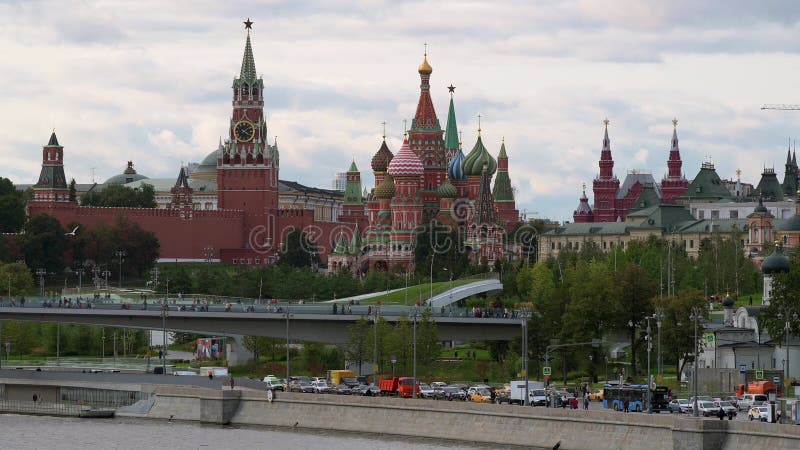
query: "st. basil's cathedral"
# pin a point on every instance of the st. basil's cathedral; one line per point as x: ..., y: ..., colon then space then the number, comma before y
x: 246, y: 218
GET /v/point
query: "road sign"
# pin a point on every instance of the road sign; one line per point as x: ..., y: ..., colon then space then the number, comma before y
x: 709, y: 338
x: 742, y: 369
x: 759, y: 374
x: 394, y: 359
x: 776, y: 380
x: 546, y: 371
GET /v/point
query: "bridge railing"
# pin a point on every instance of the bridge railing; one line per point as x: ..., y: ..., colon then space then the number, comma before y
x: 299, y: 308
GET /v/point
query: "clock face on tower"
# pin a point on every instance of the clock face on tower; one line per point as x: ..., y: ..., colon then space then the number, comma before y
x: 244, y: 131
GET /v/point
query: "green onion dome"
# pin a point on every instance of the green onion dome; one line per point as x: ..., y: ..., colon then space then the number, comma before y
x: 477, y: 158
x: 447, y: 190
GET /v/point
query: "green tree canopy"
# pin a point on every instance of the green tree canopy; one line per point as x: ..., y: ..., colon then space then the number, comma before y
x: 117, y: 195
x: 12, y: 203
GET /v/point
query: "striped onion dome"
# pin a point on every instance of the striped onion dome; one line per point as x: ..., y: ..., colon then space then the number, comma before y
x: 447, y: 190
x: 455, y: 169
x: 385, y: 190
x: 477, y: 158
x: 405, y: 163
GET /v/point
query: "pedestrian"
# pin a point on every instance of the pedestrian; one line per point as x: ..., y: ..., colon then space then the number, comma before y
x: 456, y: 353
x: 210, y: 374
x: 467, y: 354
x: 721, y: 413
x: 231, y: 381
x: 35, y: 398
x: 625, y: 406
x: 586, y: 401
x: 334, y: 309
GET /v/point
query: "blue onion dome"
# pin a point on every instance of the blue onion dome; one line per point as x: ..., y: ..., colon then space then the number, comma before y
x: 477, y: 158
x: 777, y: 262
x: 386, y: 189
x: 728, y: 301
x: 447, y: 190
x: 455, y: 169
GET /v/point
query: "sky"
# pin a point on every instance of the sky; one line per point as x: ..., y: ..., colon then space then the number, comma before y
x: 149, y: 81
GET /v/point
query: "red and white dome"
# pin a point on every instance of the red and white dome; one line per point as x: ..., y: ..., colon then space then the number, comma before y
x: 405, y: 163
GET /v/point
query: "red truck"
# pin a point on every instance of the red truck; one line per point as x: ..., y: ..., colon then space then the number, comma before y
x: 402, y: 386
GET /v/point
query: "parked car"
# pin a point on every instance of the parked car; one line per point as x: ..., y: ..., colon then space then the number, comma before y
x: 454, y: 393
x: 301, y: 386
x: 760, y: 412
x: 707, y: 408
x: 341, y: 389
x: 271, y: 378
x: 426, y: 391
x: 367, y: 389
x: 438, y: 384
x: 481, y: 396
x: 679, y: 405
x: 320, y: 386
x: 274, y: 385
x: 726, y: 406
x: 734, y: 400
x: 350, y: 381
x: 538, y: 397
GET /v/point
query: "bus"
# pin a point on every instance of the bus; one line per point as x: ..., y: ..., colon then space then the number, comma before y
x: 615, y: 396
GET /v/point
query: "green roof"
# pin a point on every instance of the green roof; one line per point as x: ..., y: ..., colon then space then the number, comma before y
x: 353, y: 167
x: 53, y: 142
x: 769, y: 187
x: 248, y: 72
x: 646, y: 199
x: 706, y: 185
x: 502, y: 191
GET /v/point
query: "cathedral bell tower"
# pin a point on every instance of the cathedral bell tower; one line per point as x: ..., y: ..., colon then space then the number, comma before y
x: 247, y: 168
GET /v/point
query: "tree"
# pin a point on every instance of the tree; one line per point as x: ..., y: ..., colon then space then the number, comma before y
x: 784, y: 302
x: 298, y: 250
x: 428, y: 349
x: 542, y: 282
x: 12, y: 204
x: 121, y: 196
x: 357, y: 348
x: 73, y: 192
x: 635, y: 291
x: 16, y: 277
x: 677, y: 330
x: 43, y: 243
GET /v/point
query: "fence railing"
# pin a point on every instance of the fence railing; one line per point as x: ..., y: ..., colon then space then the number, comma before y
x: 30, y: 407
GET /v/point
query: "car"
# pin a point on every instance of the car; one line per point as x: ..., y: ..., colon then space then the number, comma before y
x: 678, y: 405
x: 734, y: 400
x: 503, y: 394
x: 274, y: 386
x: 341, y: 389
x: 351, y: 381
x: 748, y: 400
x: 760, y: 412
x: 707, y: 408
x: 271, y: 378
x: 438, y: 384
x: 426, y: 391
x: 481, y: 396
x: 454, y: 393
x: 596, y: 395
x: 727, y: 407
x: 538, y: 397
x: 301, y: 386
x: 369, y: 390
x: 320, y: 386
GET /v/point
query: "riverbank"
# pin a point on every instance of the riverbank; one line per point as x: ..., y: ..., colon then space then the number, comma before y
x: 208, y: 402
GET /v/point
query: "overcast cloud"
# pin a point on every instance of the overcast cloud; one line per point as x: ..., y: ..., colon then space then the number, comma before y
x: 150, y: 81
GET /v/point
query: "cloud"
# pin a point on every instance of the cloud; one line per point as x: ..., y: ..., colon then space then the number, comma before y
x: 151, y: 81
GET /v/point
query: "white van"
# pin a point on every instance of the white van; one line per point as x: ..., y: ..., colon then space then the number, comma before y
x: 517, y: 393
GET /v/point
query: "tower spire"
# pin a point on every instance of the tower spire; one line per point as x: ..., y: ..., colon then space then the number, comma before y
x: 248, y: 71
x: 451, y: 133
x: 606, y: 161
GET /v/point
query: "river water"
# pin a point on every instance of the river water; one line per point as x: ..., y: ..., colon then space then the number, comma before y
x: 40, y: 432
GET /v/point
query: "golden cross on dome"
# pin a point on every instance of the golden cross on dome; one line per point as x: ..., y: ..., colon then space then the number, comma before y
x: 479, y: 124
x: 248, y: 24
x: 426, y: 48
x: 675, y: 122
x: 606, y: 122
x: 384, y: 129
x: 405, y: 125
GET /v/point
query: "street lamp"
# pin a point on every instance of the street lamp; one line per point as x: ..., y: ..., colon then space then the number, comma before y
x: 120, y: 254
x: 41, y: 273
x: 525, y: 315
x: 375, y: 314
x: 414, y: 314
x: 659, y: 316
x: 288, y: 315
x: 164, y: 337
x: 787, y: 329
x: 696, y: 316
x: 103, y: 338
x: 433, y: 257
x: 79, y: 271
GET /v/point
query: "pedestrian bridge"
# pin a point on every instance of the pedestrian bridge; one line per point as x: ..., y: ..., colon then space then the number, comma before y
x: 304, y: 322
x: 468, y: 290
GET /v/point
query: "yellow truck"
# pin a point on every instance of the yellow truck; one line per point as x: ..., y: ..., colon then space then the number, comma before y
x: 335, y: 376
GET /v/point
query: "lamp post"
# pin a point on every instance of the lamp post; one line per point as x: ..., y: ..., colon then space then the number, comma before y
x: 80, y: 272
x: 414, y: 313
x: 606, y: 380
x: 433, y: 257
x: 288, y: 315
x: 525, y: 315
x: 103, y: 338
x: 787, y: 329
x: 164, y: 308
x: 41, y: 273
x: 375, y: 314
x: 649, y: 339
x: 659, y: 316
x: 696, y: 316
x: 120, y: 254
x: 9, y: 287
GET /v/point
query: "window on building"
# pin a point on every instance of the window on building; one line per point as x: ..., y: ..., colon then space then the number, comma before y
x: 702, y: 214
x: 691, y: 243
x: 604, y: 245
x: 715, y: 214
x: 734, y: 214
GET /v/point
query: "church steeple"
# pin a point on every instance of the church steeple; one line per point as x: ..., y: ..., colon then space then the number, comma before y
x: 674, y: 184
x: 451, y: 133
x: 606, y: 161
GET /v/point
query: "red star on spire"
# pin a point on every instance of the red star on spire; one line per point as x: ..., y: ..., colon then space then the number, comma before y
x: 248, y: 24
x: 451, y: 88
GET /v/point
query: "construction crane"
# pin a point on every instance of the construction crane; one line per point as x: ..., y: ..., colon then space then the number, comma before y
x: 781, y: 107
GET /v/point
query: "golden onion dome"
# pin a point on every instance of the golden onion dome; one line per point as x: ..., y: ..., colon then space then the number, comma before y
x: 386, y: 189
x: 425, y: 68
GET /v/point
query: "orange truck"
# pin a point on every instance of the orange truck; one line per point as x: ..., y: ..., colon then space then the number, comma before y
x: 756, y: 387
x: 402, y: 386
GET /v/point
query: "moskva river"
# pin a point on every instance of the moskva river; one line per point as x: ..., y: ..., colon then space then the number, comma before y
x: 40, y: 432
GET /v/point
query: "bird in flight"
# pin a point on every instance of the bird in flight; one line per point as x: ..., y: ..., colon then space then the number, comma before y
x: 72, y: 233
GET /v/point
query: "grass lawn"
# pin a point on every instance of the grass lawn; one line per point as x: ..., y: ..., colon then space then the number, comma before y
x: 415, y: 293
